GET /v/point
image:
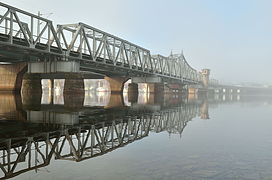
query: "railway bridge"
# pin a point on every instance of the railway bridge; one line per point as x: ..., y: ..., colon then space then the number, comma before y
x: 31, y: 49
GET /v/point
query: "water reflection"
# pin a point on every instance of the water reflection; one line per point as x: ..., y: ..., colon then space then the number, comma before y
x: 11, y: 107
x: 100, y: 98
x: 32, y: 137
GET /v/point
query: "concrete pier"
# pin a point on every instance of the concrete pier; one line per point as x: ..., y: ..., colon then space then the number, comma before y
x: 116, y: 83
x: 133, y: 92
x: 31, y: 90
x: 31, y: 83
x: 74, y: 92
x: 11, y: 76
x: 74, y: 83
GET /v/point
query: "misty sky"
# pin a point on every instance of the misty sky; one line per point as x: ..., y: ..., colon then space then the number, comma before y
x: 233, y: 37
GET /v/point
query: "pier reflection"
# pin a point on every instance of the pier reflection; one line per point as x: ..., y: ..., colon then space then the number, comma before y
x: 32, y: 137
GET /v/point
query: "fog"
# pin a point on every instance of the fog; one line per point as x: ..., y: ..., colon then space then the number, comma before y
x: 232, y: 38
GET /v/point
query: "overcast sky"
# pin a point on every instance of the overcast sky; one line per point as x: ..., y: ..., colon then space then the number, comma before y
x: 233, y: 37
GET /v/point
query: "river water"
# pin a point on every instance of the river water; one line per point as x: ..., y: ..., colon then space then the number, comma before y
x: 109, y: 137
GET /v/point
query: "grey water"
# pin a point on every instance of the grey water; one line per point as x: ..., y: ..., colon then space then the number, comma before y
x: 108, y: 137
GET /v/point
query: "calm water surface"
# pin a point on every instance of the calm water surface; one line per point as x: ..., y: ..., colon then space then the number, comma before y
x: 219, y: 137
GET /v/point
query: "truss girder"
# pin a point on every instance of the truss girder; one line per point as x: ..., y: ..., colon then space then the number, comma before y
x: 87, y: 44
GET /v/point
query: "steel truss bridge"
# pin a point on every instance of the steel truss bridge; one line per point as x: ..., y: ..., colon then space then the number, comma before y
x: 28, y: 37
x: 84, y: 141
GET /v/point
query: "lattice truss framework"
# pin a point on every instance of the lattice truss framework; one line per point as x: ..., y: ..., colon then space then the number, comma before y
x: 19, y: 155
x: 87, y: 44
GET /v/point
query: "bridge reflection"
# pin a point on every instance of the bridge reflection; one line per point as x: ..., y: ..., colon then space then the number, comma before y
x: 53, y: 132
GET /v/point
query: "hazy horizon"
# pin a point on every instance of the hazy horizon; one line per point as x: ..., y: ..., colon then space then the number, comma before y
x: 231, y: 38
